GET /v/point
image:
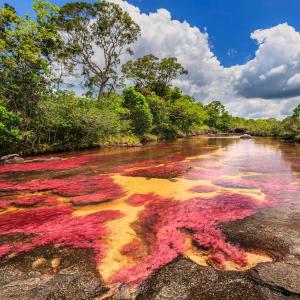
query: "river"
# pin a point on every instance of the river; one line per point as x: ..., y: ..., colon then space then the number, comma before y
x: 136, y: 210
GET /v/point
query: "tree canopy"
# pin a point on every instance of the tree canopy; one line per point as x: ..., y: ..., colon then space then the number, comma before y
x: 153, y: 73
x: 95, y: 37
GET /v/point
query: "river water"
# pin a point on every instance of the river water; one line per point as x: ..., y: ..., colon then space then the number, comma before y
x: 137, y: 209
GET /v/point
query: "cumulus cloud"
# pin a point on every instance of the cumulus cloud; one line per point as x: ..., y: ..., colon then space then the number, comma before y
x: 274, y: 72
x: 266, y: 86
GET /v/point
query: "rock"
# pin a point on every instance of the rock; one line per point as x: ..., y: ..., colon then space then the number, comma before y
x: 15, y: 160
x: 275, y: 231
x: 74, y: 278
x: 185, y: 280
x: 11, y: 159
x: 278, y: 275
x: 9, y: 156
x: 46, y: 159
x: 246, y: 136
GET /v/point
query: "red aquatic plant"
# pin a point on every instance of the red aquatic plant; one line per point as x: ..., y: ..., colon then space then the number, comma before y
x: 56, y: 225
x: 165, y: 171
x: 65, y: 164
x: 141, y: 199
x: 28, y: 201
x: 135, y: 249
x: 202, y: 189
x: 34, y: 185
x: 81, y: 188
x: 162, y: 223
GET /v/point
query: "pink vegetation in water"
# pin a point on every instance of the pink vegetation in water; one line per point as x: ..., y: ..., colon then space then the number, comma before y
x: 141, y: 199
x: 82, y: 189
x: 135, y: 249
x: 162, y: 223
x: 65, y: 164
x: 202, y: 189
x: 56, y: 225
x: 165, y: 171
x: 28, y: 201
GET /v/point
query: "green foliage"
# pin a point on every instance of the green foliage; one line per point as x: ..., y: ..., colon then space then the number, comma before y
x: 188, y: 115
x: 218, y: 117
x: 291, y: 125
x: 258, y: 127
x: 161, y: 111
x: 103, y: 24
x: 76, y: 121
x: 149, y: 72
x: 10, y: 134
x: 25, y: 49
x: 129, y: 140
x: 140, y: 114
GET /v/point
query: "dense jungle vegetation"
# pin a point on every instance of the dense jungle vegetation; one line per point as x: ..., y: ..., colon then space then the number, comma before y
x: 40, y: 111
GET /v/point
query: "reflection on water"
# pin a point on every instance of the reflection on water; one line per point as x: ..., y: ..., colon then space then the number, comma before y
x: 140, y: 208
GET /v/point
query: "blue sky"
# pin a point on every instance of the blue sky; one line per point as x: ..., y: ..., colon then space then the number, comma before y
x: 228, y: 22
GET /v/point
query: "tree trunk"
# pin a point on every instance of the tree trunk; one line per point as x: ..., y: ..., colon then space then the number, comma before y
x: 101, y: 90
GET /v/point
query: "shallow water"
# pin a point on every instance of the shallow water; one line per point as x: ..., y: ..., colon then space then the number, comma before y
x: 139, y: 208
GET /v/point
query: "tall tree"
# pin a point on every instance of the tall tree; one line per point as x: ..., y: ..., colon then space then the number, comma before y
x: 96, y: 35
x: 153, y: 73
x: 218, y: 117
x: 26, y: 47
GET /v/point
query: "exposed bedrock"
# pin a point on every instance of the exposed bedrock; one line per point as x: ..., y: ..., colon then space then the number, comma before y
x: 273, y: 231
x: 183, y: 279
x: 50, y: 273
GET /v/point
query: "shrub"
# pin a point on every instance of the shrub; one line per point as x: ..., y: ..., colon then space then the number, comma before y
x: 140, y: 114
x: 9, y: 132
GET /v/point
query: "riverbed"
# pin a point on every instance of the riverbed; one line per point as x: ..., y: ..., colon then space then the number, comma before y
x: 195, y: 218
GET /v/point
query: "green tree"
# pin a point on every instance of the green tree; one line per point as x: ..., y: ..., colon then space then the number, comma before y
x: 291, y: 125
x: 188, y: 115
x: 69, y: 121
x: 140, y: 114
x: 152, y: 73
x: 161, y: 111
x: 26, y: 47
x: 9, y: 132
x: 218, y: 117
x: 85, y: 28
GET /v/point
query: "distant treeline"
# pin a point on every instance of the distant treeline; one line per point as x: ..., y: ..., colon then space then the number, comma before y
x: 40, y: 113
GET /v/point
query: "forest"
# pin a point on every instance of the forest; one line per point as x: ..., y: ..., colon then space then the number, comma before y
x: 107, y: 102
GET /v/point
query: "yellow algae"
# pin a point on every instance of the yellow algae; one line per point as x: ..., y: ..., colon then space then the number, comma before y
x: 252, y: 258
x: 121, y: 234
x: 177, y: 189
x: 201, y: 258
x: 190, y: 251
x: 10, y: 209
x: 55, y: 262
x: 38, y: 262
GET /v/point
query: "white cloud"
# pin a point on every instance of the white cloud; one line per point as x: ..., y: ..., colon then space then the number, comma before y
x: 266, y: 86
x: 294, y: 81
x: 276, y: 61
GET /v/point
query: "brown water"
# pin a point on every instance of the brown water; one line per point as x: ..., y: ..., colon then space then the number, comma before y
x: 139, y: 208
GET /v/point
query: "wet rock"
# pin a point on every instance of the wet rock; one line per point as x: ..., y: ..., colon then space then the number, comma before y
x: 275, y: 231
x: 246, y: 136
x: 185, y: 280
x: 74, y: 278
x: 278, y: 275
x: 11, y: 159
x: 46, y: 159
